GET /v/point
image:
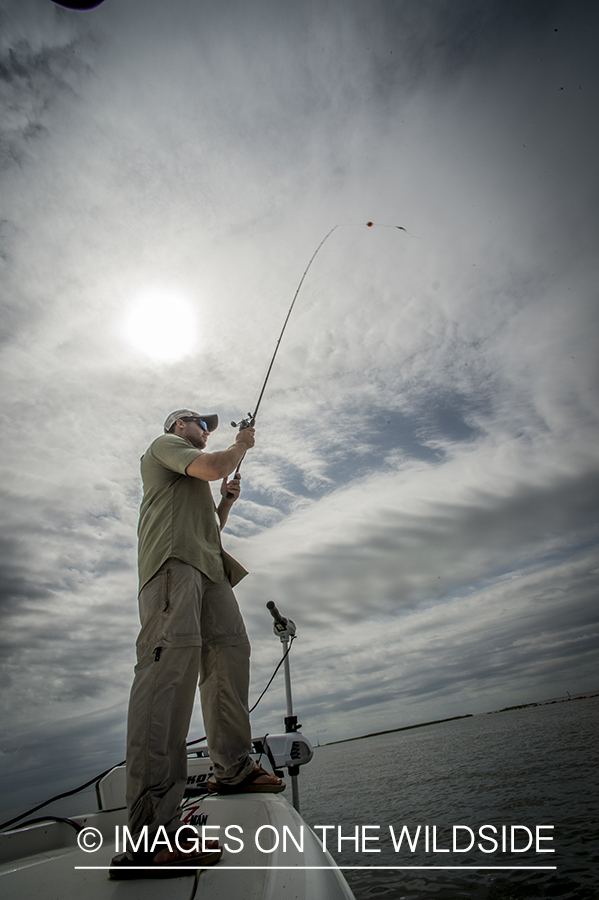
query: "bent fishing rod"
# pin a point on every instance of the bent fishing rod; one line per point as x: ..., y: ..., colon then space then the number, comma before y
x: 250, y: 419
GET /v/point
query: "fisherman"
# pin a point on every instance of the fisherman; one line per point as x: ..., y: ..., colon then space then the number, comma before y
x: 190, y: 626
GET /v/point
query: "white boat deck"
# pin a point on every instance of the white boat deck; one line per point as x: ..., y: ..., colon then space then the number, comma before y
x: 44, y: 862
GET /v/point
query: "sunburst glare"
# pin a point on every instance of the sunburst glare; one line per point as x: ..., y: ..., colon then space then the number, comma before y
x: 161, y: 324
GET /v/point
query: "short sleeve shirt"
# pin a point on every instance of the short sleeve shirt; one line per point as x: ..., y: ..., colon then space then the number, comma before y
x: 177, y: 516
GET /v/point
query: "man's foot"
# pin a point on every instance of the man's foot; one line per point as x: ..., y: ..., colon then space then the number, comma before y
x: 165, y: 863
x: 259, y: 781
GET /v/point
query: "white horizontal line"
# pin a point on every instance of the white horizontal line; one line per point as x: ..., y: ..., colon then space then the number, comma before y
x: 354, y: 868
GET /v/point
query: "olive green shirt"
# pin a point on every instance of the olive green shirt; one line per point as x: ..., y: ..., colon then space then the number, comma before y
x: 177, y: 516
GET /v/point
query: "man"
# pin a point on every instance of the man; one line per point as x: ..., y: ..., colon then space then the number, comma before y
x: 190, y: 625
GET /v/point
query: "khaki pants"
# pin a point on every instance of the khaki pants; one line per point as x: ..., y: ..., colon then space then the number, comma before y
x: 190, y: 626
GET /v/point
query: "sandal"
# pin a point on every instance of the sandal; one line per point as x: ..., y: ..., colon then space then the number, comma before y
x: 248, y: 785
x: 145, y: 865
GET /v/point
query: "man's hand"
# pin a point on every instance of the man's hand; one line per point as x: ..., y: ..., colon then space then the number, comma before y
x: 231, y: 487
x: 246, y: 437
x: 216, y: 465
x: 228, y: 487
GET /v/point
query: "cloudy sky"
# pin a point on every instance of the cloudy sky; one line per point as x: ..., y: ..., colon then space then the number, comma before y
x: 423, y: 492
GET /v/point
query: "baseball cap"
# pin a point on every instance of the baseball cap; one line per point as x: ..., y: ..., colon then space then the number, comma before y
x: 210, y: 420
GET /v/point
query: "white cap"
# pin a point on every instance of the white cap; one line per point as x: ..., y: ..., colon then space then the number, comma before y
x: 210, y: 420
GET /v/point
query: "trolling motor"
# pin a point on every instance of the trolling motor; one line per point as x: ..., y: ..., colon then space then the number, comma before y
x: 283, y: 751
x: 291, y: 749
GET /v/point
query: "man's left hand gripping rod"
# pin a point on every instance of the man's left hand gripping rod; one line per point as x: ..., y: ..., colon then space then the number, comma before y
x: 243, y: 423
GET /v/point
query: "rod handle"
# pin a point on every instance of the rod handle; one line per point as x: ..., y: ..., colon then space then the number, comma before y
x: 237, y: 475
x: 243, y: 423
x: 279, y: 619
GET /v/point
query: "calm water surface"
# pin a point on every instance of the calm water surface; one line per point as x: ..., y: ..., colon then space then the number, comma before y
x: 535, y: 766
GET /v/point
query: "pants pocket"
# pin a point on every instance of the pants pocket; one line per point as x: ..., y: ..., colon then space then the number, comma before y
x: 167, y: 592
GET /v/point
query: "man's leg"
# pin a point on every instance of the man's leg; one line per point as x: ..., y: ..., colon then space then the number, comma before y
x: 224, y: 683
x: 160, y: 710
x: 162, y: 695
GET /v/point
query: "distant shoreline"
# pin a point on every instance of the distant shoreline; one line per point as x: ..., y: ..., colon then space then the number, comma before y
x: 586, y: 696
x: 391, y: 730
x: 360, y: 737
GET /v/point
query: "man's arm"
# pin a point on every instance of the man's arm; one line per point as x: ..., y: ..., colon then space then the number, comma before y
x: 217, y: 465
x: 224, y: 507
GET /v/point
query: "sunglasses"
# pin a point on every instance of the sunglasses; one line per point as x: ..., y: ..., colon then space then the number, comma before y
x: 200, y: 422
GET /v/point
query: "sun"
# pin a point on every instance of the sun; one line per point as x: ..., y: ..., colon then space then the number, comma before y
x: 161, y: 324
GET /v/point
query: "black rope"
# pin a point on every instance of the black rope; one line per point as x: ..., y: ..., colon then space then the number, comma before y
x: 37, y: 821
x: 282, y: 660
x: 60, y: 796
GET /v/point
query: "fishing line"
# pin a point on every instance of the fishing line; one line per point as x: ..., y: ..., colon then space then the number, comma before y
x: 251, y: 417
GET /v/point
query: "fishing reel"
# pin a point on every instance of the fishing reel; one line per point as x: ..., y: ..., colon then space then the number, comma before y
x: 245, y: 423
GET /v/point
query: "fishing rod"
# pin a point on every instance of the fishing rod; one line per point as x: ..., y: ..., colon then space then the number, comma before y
x: 250, y: 420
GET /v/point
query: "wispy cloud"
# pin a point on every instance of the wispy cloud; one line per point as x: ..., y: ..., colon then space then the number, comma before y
x: 422, y: 497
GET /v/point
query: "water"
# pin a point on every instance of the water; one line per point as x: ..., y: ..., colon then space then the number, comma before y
x: 535, y: 766
x: 529, y: 767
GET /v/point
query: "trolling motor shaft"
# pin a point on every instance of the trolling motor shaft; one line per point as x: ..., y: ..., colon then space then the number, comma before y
x: 285, y: 630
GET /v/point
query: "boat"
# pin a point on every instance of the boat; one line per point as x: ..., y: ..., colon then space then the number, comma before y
x: 269, y: 851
